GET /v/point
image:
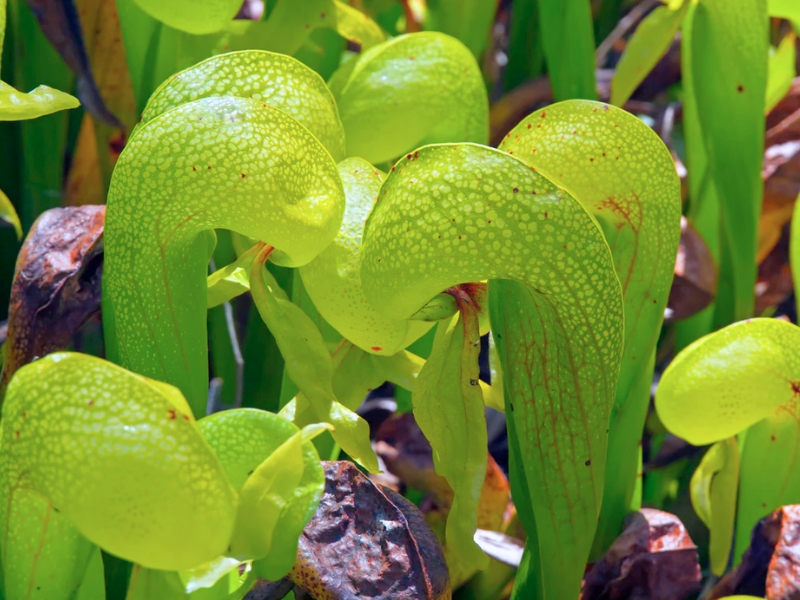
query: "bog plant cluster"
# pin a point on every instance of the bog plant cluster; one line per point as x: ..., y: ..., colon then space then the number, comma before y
x: 362, y: 214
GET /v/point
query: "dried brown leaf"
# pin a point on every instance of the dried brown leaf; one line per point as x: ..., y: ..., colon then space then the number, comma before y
x: 695, y: 282
x: 781, y: 169
x: 60, y: 22
x: 653, y: 559
x: 368, y: 541
x: 770, y: 567
x: 56, y: 285
x: 405, y: 451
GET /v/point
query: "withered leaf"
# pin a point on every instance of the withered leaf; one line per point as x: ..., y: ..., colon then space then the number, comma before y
x: 56, y: 285
x: 653, y: 559
x: 61, y: 25
x: 781, y: 169
x: 769, y: 569
x: 368, y: 541
x: 695, y: 282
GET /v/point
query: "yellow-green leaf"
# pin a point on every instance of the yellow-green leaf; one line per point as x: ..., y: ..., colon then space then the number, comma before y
x: 44, y: 100
x: 213, y: 163
x: 433, y: 85
x: 647, y: 45
x: 714, y: 489
x: 119, y: 458
x: 333, y: 278
x: 309, y: 366
x: 9, y: 215
x: 193, y: 16
x: 243, y: 439
x: 745, y: 377
x: 448, y: 407
x: 781, y: 71
x: 267, y: 493
x: 462, y: 213
x: 274, y: 79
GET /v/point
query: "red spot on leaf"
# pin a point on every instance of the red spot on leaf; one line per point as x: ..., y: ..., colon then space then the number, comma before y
x: 740, y: 88
x: 172, y: 413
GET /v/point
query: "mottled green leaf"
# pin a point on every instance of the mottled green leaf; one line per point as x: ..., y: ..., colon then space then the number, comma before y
x: 274, y: 79
x: 781, y: 71
x: 44, y: 100
x: 568, y: 41
x: 713, y: 490
x: 212, y: 163
x: 623, y: 174
x: 645, y: 48
x: 41, y: 549
x: 729, y: 380
x: 309, y: 366
x: 454, y: 214
x: 243, y: 439
x: 448, y: 407
x: 743, y: 377
x: 433, y: 85
x: 9, y: 215
x: 117, y: 455
x: 333, y: 278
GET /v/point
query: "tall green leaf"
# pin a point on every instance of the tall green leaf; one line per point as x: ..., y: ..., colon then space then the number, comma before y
x: 568, y: 41
x: 467, y: 20
x: 454, y: 214
x: 203, y: 165
x: 622, y: 174
x: 448, y: 407
x: 309, y: 366
x: 645, y: 48
x: 729, y: 52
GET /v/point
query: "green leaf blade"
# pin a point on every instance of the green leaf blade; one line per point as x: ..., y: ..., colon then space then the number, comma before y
x: 729, y: 380
x: 261, y: 76
x: 461, y: 213
x: 151, y: 490
x: 333, y: 278
x: 448, y: 406
x: 622, y: 174
x: 433, y: 85
x: 170, y: 187
x: 645, y: 48
x: 44, y: 100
